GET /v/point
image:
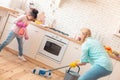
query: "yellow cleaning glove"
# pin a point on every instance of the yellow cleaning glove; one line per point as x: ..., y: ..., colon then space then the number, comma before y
x: 74, y: 64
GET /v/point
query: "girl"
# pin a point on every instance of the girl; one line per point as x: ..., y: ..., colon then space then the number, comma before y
x: 20, y: 30
x: 94, y: 53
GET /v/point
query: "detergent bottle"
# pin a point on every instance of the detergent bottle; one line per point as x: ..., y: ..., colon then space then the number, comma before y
x: 21, y: 31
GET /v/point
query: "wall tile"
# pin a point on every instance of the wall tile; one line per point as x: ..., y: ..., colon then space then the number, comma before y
x: 101, y: 16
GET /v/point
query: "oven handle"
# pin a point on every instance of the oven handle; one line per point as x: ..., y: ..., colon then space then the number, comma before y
x: 56, y: 39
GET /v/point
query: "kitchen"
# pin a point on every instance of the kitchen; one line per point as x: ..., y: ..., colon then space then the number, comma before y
x: 68, y: 16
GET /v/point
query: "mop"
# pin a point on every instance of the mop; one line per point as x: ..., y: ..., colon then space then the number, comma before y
x: 44, y: 72
x: 47, y: 73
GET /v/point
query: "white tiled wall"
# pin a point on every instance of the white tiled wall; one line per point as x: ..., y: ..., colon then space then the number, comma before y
x: 101, y: 16
x: 4, y: 3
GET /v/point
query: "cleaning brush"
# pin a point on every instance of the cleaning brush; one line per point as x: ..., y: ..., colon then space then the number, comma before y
x: 44, y: 72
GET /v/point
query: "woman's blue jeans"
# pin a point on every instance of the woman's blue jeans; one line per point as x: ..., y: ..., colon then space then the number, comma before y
x: 10, y: 37
x: 95, y: 73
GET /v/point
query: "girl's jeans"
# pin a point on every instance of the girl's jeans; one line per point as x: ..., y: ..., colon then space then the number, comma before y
x: 10, y: 37
x: 95, y: 73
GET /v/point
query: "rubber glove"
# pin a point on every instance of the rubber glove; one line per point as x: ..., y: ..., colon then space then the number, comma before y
x: 74, y: 64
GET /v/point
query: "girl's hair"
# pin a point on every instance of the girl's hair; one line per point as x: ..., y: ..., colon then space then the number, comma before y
x: 34, y: 13
x: 86, y: 32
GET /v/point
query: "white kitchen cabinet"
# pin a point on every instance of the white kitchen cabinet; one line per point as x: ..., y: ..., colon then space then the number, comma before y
x: 4, y: 14
x: 116, y: 72
x: 13, y: 45
x: 10, y: 24
x: 109, y: 77
x: 31, y: 46
x: 3, y: 18
x: 72, y: 52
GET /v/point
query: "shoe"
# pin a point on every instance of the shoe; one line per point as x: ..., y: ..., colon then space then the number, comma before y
x: 22, y: 58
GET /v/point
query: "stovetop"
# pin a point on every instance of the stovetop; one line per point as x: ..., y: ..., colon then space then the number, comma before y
x: 59, y: 31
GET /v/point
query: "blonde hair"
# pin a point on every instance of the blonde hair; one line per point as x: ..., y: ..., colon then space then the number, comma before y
x: 86, y: 32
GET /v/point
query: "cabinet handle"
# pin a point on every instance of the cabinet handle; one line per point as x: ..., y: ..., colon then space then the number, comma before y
x: 36, y: 31
x: 76, y: 48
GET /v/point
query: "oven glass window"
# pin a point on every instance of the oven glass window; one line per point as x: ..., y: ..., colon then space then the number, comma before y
x: 52, y: 48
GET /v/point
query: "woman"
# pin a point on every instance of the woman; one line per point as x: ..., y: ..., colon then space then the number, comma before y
x: 20, y: 30
x: 94, y: 53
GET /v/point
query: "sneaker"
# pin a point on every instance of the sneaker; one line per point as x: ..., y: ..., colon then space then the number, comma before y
x: 22, y: 58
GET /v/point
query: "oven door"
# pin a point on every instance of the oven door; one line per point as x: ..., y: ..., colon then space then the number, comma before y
x: 52, y: 48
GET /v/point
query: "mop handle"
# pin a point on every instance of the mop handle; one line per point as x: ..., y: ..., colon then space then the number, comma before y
x: 58, y: 68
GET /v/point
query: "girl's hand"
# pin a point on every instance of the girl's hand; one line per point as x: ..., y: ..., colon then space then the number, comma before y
x: 26, y: 37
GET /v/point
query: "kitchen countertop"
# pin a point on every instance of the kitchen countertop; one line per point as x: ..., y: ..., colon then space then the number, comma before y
x: 7, y: 9
x: 46, y: 28
x: 57, y: 33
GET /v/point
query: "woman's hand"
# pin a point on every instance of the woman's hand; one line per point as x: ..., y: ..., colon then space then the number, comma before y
x: 74, y: 64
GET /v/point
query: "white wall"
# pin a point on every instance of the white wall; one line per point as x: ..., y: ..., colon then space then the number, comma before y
x: 101, y: 16
x: 5, y: 3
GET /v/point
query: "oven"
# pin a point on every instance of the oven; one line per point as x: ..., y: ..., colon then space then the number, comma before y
x: 53, y: 46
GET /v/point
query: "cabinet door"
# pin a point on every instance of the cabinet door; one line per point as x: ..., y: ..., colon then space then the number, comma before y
x: 72, y: 52
x: 7, y: 28
x: 31, y: 46
x: 108, y: 77
x: 116, y: 72
x: 13, y: 45
x: 3, y: 18
x: 10, y: 23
